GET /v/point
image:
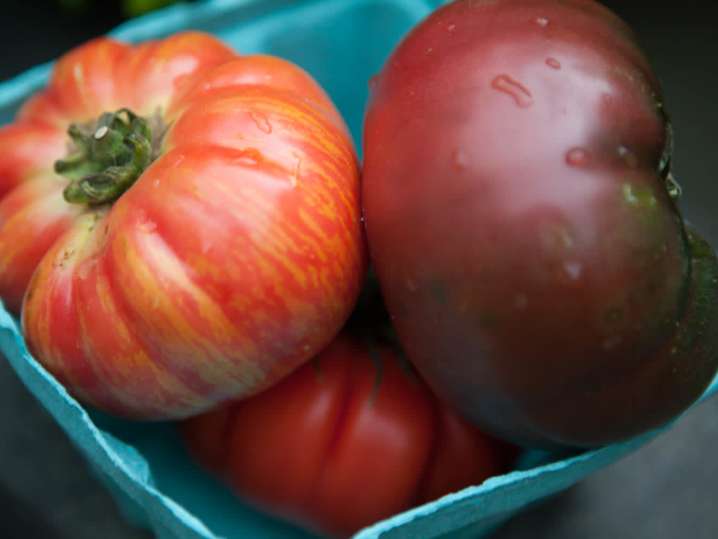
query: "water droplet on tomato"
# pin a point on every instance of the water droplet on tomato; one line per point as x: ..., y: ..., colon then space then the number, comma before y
x: 261, y: 121
x: 542, y: 21
x: 517, y: 91
x: 451, y: 27
x: 247, y: 160
x: 521, y: 301
x: 578, y: 157
x: 674, y: 188
x: 249, y: 157
x: 429, y: 50
x: 147, y: 227
x: 553, y: 63
x: 459, y: 159
x: 573, y: 270
x: 627, y: 156
x: 179, y: 158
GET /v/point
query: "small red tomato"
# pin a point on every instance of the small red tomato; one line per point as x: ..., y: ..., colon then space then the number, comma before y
x: 521, y: 219
x: 350, y: 438
x: 197, y: 235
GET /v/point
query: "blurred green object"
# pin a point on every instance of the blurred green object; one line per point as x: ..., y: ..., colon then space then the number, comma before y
x: 130, y: 8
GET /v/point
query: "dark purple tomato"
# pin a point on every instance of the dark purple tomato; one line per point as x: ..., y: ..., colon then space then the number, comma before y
x: 521, y: 219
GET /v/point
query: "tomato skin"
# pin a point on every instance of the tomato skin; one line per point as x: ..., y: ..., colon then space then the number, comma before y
x: 537, y: 270
x: 235, y: 257
x: 342, y: 442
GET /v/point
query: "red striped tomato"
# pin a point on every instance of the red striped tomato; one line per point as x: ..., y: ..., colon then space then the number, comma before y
x: 208, y: 240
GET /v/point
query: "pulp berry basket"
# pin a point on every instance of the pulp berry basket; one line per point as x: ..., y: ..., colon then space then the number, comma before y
x: 342, y: 43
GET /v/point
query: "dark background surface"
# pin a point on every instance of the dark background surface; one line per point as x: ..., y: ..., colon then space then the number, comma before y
x: 667, y: 490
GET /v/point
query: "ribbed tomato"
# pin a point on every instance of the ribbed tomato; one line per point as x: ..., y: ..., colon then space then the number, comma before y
x: 348, y: 439
x: 199, y: 236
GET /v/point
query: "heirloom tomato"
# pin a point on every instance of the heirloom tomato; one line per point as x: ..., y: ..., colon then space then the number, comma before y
x: 194, y: 236
x: 350, y: 438
x: 521, y: 217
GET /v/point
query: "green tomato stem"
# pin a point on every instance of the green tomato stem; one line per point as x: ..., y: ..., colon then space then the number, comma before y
x: 107, y: 157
